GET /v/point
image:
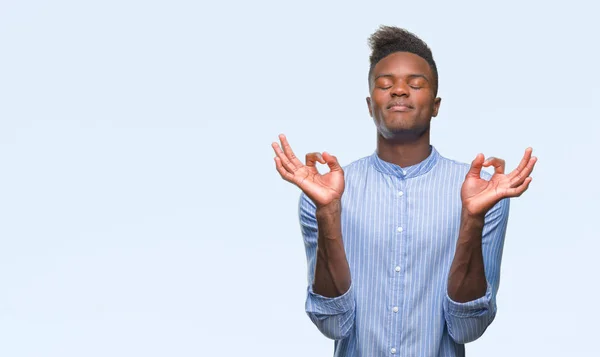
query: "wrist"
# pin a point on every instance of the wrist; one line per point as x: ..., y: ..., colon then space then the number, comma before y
x: 469, y: 213
x: 331, y: 209
x: 469, y: 220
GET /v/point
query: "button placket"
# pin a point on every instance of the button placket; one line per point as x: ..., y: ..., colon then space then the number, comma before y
x: 400, y: 214
x: 402, y: 205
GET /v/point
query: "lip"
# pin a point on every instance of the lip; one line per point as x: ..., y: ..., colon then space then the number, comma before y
x: 399, y: 108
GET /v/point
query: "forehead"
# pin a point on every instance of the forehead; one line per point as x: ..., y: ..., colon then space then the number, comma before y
x: 402, y: 64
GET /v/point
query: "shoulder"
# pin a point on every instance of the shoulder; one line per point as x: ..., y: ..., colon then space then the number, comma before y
x: 357, y: 166
x: 459, y: 167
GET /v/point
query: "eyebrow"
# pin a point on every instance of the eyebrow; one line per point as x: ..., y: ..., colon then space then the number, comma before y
x: 410, y: 76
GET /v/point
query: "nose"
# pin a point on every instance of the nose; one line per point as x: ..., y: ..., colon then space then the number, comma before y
x: 399, y: 89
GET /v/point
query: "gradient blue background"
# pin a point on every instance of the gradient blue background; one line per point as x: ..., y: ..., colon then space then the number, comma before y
x: 140, y: 210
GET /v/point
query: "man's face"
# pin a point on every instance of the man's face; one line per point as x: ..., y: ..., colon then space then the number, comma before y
x: 402, y: 98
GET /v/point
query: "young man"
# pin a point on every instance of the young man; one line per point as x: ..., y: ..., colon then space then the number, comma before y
x: 403, y: 246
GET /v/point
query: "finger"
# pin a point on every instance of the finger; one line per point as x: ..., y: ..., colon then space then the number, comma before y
x: 523, y: 162
x: 476, y: 165
x: 312, y: 158
x: 331, y: 162
x: 287, y: 149
x: 523, y: 174
x: 284, y: 159
x: 286, y: 175
x: 498, y: 164
x: 518, y: 191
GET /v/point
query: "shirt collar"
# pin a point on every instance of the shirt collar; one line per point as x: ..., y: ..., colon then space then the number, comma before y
x: 407, y: 172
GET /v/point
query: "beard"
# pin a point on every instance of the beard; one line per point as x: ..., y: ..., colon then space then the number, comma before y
x: 401, y: 131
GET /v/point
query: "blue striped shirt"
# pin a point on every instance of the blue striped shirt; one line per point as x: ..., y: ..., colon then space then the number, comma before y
x: 399, y: 228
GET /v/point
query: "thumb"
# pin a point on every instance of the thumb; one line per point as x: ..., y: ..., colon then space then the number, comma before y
x: 312, y: 158
x: 331, y: 162
x: 476, y: 165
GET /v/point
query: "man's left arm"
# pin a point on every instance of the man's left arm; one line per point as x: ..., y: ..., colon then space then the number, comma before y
x: 470, y: 302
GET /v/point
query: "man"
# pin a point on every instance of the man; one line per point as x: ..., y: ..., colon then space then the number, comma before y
x: 403, y: 246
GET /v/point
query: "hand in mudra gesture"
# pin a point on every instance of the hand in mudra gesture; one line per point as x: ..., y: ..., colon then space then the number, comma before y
x: 321, y: 189
x: 479, y: 195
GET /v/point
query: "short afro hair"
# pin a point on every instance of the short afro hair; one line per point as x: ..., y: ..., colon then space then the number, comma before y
x: 389, y: 39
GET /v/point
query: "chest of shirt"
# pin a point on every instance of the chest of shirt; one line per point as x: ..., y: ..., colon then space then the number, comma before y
x: 418, y: 217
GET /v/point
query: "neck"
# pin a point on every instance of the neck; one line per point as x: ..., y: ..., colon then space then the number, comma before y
x: 401, y: 152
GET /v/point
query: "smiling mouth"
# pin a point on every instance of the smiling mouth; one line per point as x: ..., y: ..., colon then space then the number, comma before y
x: 399, y: 108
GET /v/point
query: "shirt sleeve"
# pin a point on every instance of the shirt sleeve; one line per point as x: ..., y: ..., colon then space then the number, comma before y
x: 468, y: 321
x: 334, y: 317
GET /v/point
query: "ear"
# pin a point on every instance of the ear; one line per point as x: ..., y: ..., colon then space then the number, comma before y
x: 436, y: 106
x: 369, y: 106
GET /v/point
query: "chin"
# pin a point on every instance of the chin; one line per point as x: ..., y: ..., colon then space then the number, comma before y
x: 402, y: 132
x: 399, y: 126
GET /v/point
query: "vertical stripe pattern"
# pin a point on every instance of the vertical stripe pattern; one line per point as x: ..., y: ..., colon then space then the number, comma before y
x: 400, y: 227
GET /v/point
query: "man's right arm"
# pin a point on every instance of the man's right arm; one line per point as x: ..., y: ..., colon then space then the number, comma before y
x: 330, y: 300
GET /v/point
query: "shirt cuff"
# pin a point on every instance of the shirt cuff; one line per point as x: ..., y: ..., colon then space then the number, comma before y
x: 330, y: 306
x: 477, y: 307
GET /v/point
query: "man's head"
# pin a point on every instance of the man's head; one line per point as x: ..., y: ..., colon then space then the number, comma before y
x: 403, y: 84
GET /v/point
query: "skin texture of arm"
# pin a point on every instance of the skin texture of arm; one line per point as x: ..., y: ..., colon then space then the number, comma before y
x: 332, y: 272
x: 467, y: 281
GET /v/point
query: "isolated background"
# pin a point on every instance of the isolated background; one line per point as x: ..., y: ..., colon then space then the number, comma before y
x: 140, y: 210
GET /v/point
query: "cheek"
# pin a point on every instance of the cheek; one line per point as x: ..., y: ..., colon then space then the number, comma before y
x: 381, y: 114
x: 378, y: 99
x: 377, y: 108
x: 426, y: 104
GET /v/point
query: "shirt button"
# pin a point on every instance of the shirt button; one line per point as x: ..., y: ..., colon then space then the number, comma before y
x: 395, y: 309
x: 400, y: 193
x: 400, y: 229
x: 397, y: 269
x: 393, y: 350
